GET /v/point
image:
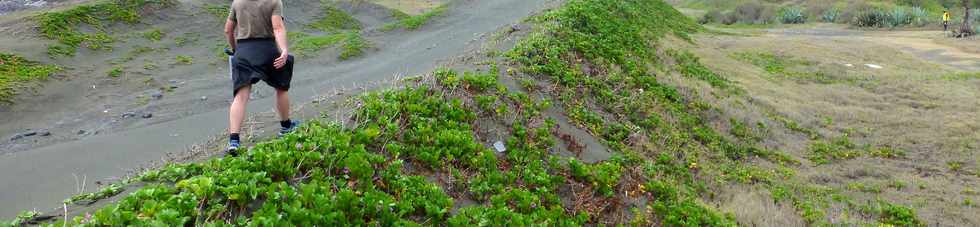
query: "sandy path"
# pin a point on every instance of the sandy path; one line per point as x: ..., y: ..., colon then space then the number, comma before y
x: 922, y: 44
x: 42, y: 177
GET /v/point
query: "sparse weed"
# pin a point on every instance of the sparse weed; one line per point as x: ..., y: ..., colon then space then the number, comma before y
x: 955, y: 166
x: 115, y: 72
x: 149, y: 66
x: 184, y: 60
x: 886, y: 152
x: 153, y: 35
x: 841, y: 148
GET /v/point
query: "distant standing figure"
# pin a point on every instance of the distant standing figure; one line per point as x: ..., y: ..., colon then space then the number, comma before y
x: 945, y: 20
x: 256, y: 32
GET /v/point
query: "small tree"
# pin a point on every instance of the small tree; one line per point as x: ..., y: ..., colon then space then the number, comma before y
x: 965, y: 28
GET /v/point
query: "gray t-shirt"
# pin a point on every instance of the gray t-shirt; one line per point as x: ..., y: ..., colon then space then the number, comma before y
x: 254, y: 17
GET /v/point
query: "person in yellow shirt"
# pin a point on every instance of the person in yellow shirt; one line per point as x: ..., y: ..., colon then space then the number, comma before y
x: 945, y: 20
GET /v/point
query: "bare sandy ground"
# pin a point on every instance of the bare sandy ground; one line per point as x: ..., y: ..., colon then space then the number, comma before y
x: 929, y: 45
x: 41, y: 172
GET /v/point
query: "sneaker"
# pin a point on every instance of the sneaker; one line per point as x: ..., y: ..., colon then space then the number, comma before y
x: 286, y: 130
x: 233, y: 148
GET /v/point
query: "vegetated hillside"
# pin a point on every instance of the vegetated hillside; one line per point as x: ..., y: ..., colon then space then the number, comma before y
x: 427, y: 152
x: 888, y: 14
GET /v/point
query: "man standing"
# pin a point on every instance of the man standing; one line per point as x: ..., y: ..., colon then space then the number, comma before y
x: 945, y: 20
x: 256, y: 32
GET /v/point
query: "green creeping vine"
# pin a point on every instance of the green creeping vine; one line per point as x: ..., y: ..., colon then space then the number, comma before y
x: 324, y: 175
x: 16, y: 73
x: 604, y: 50
x: 63, y: 25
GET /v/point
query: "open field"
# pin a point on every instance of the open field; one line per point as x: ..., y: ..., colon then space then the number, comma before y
x: 922, y: 102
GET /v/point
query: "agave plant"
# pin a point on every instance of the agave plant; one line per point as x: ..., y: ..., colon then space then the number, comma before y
x: 830, y: 16
x: 899, y: 17
x: 920, y: 16
x: 792, y: 15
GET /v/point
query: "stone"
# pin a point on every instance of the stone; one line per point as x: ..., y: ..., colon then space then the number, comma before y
x: 157, y: 95
x: 23, y: 135
x: 499, y: 146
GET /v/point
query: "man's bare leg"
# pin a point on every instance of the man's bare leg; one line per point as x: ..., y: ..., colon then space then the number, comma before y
x: 282, y: 104
x: 237, y: 110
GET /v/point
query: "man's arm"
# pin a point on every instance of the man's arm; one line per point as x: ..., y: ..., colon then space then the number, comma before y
x: 230, y: 33
x: 279, y: 30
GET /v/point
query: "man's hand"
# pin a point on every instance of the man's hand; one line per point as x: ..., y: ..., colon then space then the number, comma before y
x: 279, y: 31
x: 281, y: 60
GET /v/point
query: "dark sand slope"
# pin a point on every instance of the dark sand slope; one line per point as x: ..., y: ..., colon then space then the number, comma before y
x: 42, y: 177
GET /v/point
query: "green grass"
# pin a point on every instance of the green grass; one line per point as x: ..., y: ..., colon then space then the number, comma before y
x: 340, y: 29
x: 62, y: 25
x: 353, y: 46
x: 690, y: 66
x: 304, y: 44
x: 897, y: 215
x: 417, y: 21
x: 219, y: 12
x: 961, y: 76
x: 17, y: 74
x: 335, y: 20
x: 785, y: 67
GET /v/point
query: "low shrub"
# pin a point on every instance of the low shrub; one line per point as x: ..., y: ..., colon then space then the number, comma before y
x: 750, y: 13
x: 710, y: 17
x: 870, y: 18
x: 975, y: 15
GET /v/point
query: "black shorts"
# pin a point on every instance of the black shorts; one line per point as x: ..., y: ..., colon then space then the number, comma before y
x: 253, y: 61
